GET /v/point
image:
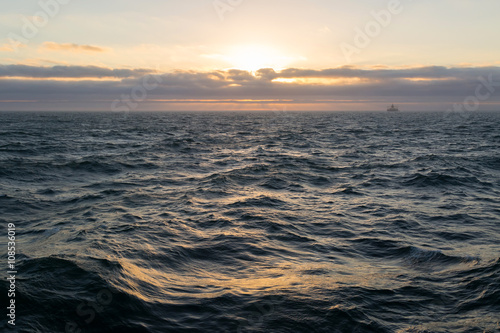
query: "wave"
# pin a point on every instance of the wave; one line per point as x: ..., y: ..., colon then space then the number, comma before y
x: 436, y: 179
x: 236, y: 222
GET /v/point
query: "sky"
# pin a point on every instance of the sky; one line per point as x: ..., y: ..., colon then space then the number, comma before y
x: 124, y: 55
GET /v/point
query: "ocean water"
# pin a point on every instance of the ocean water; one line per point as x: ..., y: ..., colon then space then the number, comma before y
x: 252, y: 222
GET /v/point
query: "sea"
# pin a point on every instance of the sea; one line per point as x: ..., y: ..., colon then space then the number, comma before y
x: 251, y: 221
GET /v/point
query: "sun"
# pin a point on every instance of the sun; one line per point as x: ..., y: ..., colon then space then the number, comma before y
x: 254, y: 57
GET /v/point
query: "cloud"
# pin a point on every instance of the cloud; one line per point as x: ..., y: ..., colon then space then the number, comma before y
x: 69, y: 72
x: 71, y: 47
x: 416, y: 85
x: 429, y: 72
x: 239, y: 75
x: 10, y: 47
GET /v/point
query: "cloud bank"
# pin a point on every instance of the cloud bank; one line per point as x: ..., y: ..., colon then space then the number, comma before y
x: 56, y: 72
x: 90, y: 86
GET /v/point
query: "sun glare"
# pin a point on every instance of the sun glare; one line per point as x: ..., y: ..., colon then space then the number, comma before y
x: 255, y: 57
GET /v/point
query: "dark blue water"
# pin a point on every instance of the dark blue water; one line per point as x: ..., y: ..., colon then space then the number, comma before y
x: 253, y: 222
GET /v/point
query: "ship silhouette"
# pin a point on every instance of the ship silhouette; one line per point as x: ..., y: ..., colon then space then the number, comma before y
x: 392, y: 108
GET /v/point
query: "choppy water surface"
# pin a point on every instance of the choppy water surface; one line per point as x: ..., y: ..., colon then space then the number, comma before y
x: 253, y: 222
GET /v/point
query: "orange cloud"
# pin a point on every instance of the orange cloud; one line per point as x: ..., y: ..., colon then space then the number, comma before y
x: 6, y: 48
x: 72, y: 47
